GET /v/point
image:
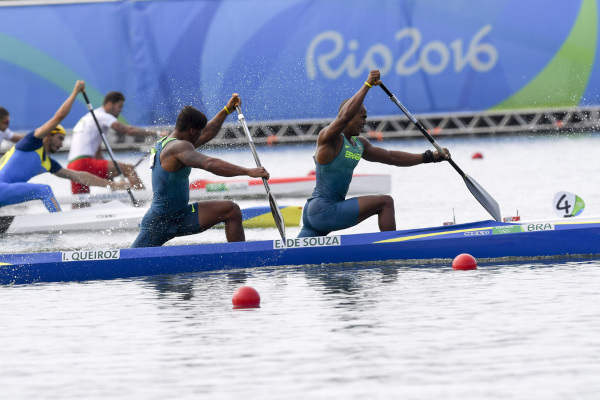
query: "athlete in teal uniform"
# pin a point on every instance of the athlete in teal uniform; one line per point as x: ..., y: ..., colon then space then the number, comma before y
x: 170, y: 215
x: 339, y: 148
x: 29, y: 157
x: 174, y: 156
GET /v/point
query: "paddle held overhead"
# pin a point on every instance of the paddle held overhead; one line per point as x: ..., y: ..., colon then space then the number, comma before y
x: 480, y: 194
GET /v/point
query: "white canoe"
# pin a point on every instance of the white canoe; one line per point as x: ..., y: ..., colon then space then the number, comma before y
x: 116, y: 216
x: 295, y: 187
x: 298, y: 187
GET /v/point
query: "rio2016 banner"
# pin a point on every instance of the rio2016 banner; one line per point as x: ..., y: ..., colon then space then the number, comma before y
x: 298, y: 59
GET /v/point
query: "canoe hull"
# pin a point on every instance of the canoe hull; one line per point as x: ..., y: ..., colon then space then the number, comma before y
x: 483, y: 240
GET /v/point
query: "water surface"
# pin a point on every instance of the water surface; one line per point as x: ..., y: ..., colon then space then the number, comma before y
x: 378, y: 331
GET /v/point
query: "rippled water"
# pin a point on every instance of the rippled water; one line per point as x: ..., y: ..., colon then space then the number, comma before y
x: 518, y: 330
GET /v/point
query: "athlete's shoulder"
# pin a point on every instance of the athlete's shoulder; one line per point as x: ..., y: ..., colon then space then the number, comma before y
x: 104, y: 117
x: 179, y: 145
x: 365, y: 142
x: 330, y: 137
x: 29, y: 143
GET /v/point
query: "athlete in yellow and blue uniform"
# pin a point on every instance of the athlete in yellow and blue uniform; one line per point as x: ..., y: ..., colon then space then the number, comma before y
x: 29, y: 158
x: 339, y: 149
x: 22, y: 162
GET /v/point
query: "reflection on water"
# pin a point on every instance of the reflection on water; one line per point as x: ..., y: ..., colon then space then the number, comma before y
x: 406, y: 330
x: 344, y: 331
x: 166, y: 285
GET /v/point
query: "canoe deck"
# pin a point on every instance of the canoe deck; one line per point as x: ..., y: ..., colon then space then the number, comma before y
x: 484, y: 239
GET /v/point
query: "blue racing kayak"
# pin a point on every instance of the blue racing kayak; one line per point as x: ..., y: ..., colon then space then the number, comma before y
x: 483, y: 240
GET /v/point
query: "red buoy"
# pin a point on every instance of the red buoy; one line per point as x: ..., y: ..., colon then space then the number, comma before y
x: 464, y: 262
x: 246, y: 297
x: 477, y: 155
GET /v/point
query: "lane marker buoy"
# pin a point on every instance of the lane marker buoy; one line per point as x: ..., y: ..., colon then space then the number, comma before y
x: 464, y: 262
x: 246, y: 297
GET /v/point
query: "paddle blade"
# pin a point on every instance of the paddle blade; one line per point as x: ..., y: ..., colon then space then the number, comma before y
x: 277, y: 216
x: 483, y: 198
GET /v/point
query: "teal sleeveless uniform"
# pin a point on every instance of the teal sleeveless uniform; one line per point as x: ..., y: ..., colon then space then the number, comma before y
x: 22, y: 162
x: 327, y: 210
x: 170, y: 215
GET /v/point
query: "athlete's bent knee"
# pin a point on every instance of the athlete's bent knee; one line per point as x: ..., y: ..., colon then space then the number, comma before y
x: 234, y: 211
x: 388, y: 201
x: 384, y: 202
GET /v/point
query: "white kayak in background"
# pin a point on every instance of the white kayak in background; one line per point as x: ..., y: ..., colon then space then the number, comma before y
x: 295, y: 187
x: 116, y: 216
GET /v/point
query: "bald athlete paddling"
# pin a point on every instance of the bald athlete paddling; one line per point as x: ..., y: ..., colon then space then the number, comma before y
x: 29, y: 157
x: 339, y: 148
x: 172, y: 160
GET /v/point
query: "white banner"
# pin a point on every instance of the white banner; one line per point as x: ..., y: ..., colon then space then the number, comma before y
x: 86, y: 255
x: 319, y: 241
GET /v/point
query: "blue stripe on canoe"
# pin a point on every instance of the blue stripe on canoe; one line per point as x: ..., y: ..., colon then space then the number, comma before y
x: 564, y: 240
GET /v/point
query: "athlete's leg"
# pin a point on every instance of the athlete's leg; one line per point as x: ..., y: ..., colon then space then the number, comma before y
x: 307, y: 229
x: 324, y: 217
x: 129, y: 172
x: 79, y: 165
x: 14, y: 193
x: 154, y: 231
x: 213, y: 212
x: 383, y: 206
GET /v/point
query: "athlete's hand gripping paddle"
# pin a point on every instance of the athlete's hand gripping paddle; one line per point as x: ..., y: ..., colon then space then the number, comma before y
x: 103, y: 136
x: 272, y: 203
x: 476, y: 190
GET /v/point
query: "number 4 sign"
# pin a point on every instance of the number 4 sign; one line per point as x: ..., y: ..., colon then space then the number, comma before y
x: 567, y: 204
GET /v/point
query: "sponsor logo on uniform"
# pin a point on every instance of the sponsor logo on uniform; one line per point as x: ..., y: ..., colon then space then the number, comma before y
x: 319, y: 241
x: 354, y: 156
x: 87, y: 255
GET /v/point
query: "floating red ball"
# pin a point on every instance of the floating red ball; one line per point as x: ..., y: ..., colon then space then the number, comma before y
x: 477, y: 155
x: 464, y: 262
x: 246, y: 297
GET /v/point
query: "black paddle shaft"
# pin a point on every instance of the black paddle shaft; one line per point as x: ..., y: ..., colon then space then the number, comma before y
x: 476, y: 190
x: 103, y: 137
x: 421, y: 128
x: 146, y: 154
x: 277, y: 217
